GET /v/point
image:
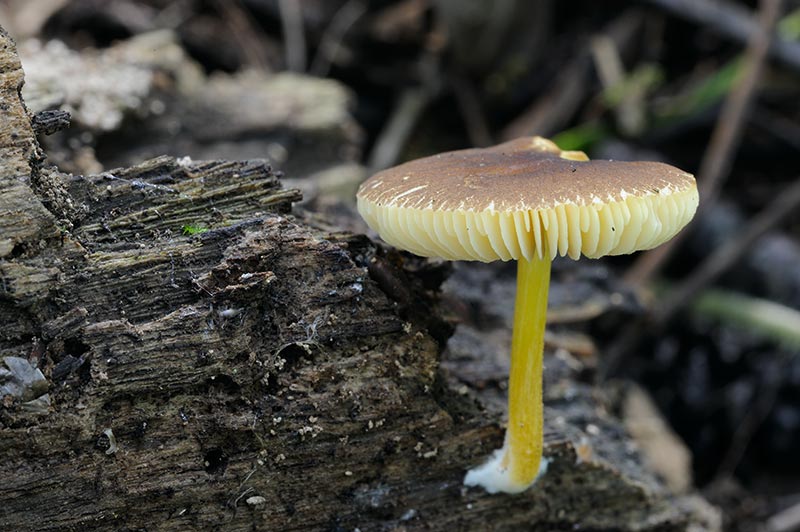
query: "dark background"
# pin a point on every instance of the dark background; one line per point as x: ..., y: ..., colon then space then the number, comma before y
x: 711, y: 327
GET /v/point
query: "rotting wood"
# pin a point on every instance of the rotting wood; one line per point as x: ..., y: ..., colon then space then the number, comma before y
x: 22, y: 215
x: 213, y: 362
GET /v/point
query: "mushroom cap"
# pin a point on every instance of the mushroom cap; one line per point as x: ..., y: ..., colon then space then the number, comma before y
x: 526, y: 198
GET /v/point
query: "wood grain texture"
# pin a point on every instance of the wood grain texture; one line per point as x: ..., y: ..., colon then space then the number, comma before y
x: 22, y: 215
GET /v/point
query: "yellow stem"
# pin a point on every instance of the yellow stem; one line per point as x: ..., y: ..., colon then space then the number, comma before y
x: 524, y: 435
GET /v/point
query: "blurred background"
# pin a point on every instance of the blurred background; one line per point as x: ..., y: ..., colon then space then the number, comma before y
x: 707, y: 328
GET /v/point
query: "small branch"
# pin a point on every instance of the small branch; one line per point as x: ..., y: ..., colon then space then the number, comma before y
x: 724, y: 257
x: 785, y: 521
x: 294, y: 40
x: 629, y: 110
x: 244, y: 33
x: 331, y: 41
x: 760, y: 406
x: 412, y: 103
x: 725, y: 139
x: 49, y: 122
x: 472, y: 111
x: 785, y: 204
x: 732, y: 21
x: 552, y: 111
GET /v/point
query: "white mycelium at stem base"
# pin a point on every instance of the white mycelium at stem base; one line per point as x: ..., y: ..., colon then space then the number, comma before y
x: 525, y: 200
x: 517, y: 465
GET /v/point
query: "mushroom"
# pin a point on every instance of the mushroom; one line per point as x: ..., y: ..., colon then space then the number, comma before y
x: 525, y: 200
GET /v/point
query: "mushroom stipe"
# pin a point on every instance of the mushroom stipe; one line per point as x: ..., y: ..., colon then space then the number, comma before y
x: 529, y: 201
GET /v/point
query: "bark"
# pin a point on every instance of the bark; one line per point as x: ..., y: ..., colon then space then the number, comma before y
x: 22, y: 217
x: 179, y: 352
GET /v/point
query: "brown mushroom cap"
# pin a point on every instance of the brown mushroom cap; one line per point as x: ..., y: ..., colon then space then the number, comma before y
x: 523, y: 198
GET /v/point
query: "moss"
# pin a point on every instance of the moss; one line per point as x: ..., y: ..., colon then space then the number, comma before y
x: 191, y: 229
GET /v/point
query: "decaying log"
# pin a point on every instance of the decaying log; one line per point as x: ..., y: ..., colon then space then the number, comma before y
x: 144, y: 96
x: 22, y: 217
x: 179, y: 352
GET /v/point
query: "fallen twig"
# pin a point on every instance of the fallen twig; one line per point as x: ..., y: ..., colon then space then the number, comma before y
x: 761, y: 403
x: 718, y: 158
x: 719, y: 261
x: 728, y: 254
x: 291, y: 13
x: 331, y: 41
x: 731, y: 20
x: 410, y: 105
x: 550, y: 112
x: 244, y: 33
x: 785, y: 520
x: 472, y: 111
